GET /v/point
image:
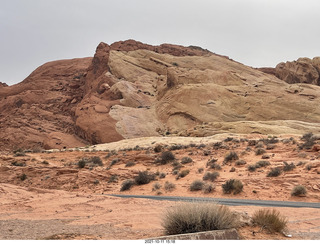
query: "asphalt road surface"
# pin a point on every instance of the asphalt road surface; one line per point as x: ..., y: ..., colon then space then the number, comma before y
x: 228, y: 201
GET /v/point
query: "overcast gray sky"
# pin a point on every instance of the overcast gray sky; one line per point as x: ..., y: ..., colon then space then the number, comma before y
x: 254, y: 32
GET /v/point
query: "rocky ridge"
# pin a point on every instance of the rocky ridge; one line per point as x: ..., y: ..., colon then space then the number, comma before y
x: 130, y: 89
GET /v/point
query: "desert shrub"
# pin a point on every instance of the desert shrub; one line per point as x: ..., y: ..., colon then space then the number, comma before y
x: 260, y: 144
x: 212, y: 164
x: 96, y: 160
x: 196, y: 185
x: 288, y: 167
x: 309, y: 141
x: 274, y: 172
x: 270, y: 146
x: 183, y: 173
x: 270, y: 220
x: 45, y: 162
x: 240, y: 162
x: 130, y: 164
x: 168, y: 186
x: 252, y: 142
x: 186, y: 160
x: 162, y: 175
x: 233, y: 169
x: 18, y: 164
x: 260, y: 151
x: 126, y: 185
x: 197, y: 217
x: 200, y: 170
x: 230, y: 157
x: 113, y: 178
x: 298, y: 190
x: 265, y: 156
x: 176, y: 147
x: 166, y: 157
x: 207, y: 188
x: 114, y: 161
x: 262, y: 163
x: 23, y: 177
x: 158, y: 148
x: 232, y: 185
x: 210, y: 176
x: 143, y: 178
x: 252, y: 168
x: 156, y: 186
x: 82, y: 163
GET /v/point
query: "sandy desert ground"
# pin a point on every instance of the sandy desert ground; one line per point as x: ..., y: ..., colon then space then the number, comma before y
x: 45, y: 195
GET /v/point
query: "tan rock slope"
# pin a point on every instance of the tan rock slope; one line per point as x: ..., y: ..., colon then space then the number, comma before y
x: 130, y: 89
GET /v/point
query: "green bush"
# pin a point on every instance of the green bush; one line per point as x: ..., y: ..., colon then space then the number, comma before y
x: 196, y: 185
x: 299, y: 190
x: 232, y: 185
x: 270, y: 220
x: 197, y: 217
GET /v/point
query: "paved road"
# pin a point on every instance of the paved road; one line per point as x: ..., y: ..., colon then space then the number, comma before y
x: 227, y: 201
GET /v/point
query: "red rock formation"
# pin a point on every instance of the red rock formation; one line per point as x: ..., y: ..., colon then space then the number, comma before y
x: 3, y: 84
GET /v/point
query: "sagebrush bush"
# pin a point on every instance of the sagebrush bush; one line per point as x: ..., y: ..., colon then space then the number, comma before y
x: 82, y: 163
x: 156, y: 186
x: 168, y: 186
x: 196, y: 185
x: 240, y: 162
x: 197, y: 217
x: 126, y: 185
x: 251, y: 168
x: 207, y: 188
x: 212, y: 164
x: 186, y: 160
x: 166, y: 157
x: 260, y: 151
x: 288, y: 167
x: 274, y: 172
x: 96, y: 160
x: 143, y: 178
x: 183, y: 173
x: 262, y: 163
x: 210, y: 176
x: 299, y: 190
x: 231, y: 156
x: 270, y: 220
x: 232, y: 185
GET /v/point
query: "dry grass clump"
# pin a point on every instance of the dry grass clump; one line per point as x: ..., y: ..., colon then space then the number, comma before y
x: 260, y: 151
x: 270, y: 220
x: 274, y: 172
x: 288, y: 167
x: 186, y: 160
x: 168, y: 186
x: 299, y: 191
x: 143, y: 178
x: 232, y: 185
x: 166, y: 157
x: 197, y: 185
x: 196, y: 217
x: 230, y: 157
x: 183, y: 173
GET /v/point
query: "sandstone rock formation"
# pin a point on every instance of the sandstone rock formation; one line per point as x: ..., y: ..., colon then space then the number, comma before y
x: 303, y: 70
x: 130, y: 89
x: 3, y: 84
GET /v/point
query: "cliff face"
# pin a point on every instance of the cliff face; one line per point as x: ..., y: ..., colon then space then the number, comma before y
x: 130, y: 89
x: 303, y: 70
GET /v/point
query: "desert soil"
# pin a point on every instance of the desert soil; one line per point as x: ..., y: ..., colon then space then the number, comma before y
x: 46, y: 195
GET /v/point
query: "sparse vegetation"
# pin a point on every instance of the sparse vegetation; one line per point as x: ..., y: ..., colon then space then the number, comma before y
x: 230, y: 157
x: 156, y: 186
x: 23, y: 177
x: 143, y: 178
x: 197, y: 217
x: 232, y: 185
x: 270, y: 220
x: 288, y: 167
x: 210, y: 176
x: 158, y: 148
x: 252, y: 168
x: 274, y: 172
x: 168, y: 186
x: 299, y: 190
x: 186, y: 160
x: 196, y: 185
x: 240, y: 162
x: 130, y: 164
x: 207, y: 188
x: 309, y: 141
x: 183, y: 173
x: 260, y: 151
x: 262, y: 163
x: 166, y: 157
x: 212, y: 164
x: 126, y: 185
x: 82, y: 163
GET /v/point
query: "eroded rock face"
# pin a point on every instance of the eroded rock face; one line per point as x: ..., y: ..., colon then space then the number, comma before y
x: 303, y: 70
x: 3, y: 84
x: 130, y: 89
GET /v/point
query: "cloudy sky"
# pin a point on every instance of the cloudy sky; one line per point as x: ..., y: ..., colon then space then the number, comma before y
x: 257, y: 33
